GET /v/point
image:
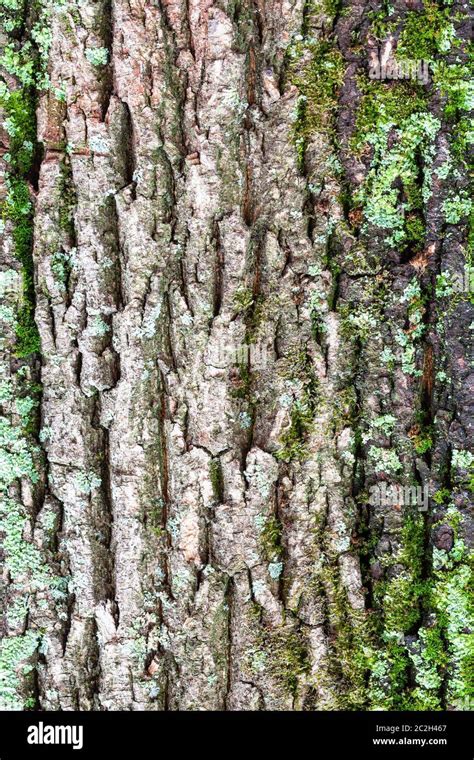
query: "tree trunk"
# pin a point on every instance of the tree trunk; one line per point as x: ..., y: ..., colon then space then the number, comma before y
x: 245, y: 245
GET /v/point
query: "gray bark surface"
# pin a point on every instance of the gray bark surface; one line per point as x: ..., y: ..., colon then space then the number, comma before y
x: 187, y: 531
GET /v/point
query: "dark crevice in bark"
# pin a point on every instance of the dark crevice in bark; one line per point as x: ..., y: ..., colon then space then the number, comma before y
x: 229, y: 601
x: 107, y: 33
x: 184, y: 285
x: 167, y: 334
x: 127, y: 146
x: 281, y: 504
x: 218, y: 270
x: 109, y: 518
x: 164, y: 479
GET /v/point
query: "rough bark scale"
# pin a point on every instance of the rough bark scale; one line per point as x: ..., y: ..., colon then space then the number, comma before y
x: 181, y: 532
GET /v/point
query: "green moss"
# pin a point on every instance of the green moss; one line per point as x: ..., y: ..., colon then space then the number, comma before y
x: 219, y: 639
x: 287, y: 656
x: 385, y: 103
x: 271, y: 538
x: 217, y: 480
x: 26, y: 61
x: 18, y: 209
x: 316, y: 68
x: 352, y: 639
x: 23, y: 57
x: 293, y: 440
x: 381, y: 25
x: 400, y: 602
x: 331, y: 7
x: 462, y: 137
x: 413, y: 538
x: 243, y: 299
x: 250, y: 305
x: 442, y: 496
x: 454, y: 80
x: 415, y: 231
x: 28, y: 340
x: 254, y: 317
x: 401, y: 597
x: 344, y: 409
x: 427, y: 33
x: 19, y: 106
x: 437, y: 664
x: 242, y: 386
x: 66, y: 198
x: 423, y: 440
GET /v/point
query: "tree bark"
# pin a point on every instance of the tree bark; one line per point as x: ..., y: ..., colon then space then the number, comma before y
x: 248, y: 263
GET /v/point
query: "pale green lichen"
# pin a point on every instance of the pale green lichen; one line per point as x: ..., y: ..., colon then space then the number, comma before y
x: 16, y: 653
x: 408, y: 339
x: 385, y: 423
x: 87, y: 482
x: 399, y: 599
x: 456, y: 207
x: 148, y: 329
x: 22, y: 558
x: 98, y: 327
x: 97, y: 56
x: 275, y: 569
x: 24, y: 406
x: 379, y: 195
x: 384, y: 460
x: 16, y: 455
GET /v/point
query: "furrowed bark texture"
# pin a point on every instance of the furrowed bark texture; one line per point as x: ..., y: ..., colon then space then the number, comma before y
x: 190, y: 524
